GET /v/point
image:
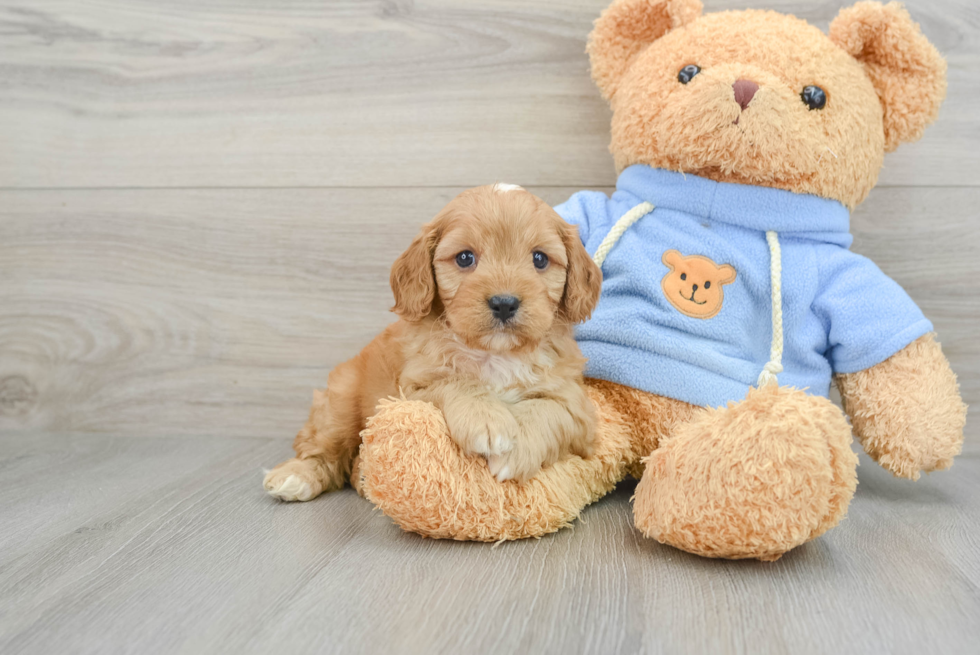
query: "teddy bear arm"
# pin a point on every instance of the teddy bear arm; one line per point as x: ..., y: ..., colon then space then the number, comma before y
x: 410, y: 467
x: 907, y: 411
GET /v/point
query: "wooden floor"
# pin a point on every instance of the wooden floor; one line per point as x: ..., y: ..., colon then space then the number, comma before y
x: 199, y: 203
x: 156, y: 545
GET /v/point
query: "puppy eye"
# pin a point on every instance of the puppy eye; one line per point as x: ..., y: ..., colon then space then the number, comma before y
x: 687, y: 73
x: 707, y: 285
x: 814, y: 97
x: 465, y: 259
x: 683, y: 276
x: 540, y: 260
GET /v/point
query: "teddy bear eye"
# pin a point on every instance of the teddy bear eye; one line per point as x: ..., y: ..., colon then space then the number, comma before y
x: 814, y: 97
x: 707, y: 285
x: 683, y: 276
x: 687, y: 73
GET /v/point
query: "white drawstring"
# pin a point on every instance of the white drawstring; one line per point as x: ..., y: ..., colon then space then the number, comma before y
x: 775, y: 364
x: 617, y: 230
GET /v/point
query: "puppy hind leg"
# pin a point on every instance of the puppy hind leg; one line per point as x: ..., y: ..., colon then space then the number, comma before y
x: 325, y: 449
x: 301, y: 479
x: 309, y: 474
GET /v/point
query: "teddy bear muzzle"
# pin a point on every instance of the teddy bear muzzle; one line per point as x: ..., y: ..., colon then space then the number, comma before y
x: 744, y: 92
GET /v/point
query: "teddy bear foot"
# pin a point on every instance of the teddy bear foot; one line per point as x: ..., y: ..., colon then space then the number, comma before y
x: 412, y: 470
x: 752, y: 480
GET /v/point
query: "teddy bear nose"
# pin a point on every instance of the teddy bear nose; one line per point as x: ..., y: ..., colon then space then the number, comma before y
x: 744, y: 91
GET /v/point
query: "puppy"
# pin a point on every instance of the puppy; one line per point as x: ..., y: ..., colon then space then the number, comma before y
x: 487, y: 295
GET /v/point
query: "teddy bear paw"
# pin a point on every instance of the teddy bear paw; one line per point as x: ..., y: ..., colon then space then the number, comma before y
x: 752, y: 480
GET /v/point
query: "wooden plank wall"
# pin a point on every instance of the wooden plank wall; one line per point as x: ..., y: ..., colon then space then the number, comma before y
x: 200, y: 200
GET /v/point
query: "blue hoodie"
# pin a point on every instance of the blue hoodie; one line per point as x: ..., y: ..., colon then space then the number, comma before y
x: 841, y: 314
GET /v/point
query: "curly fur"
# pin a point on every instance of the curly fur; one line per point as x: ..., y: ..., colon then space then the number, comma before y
x: 907, y: 411
x: 885, y: 82
x: 754, y: 479
x: 412, y: 470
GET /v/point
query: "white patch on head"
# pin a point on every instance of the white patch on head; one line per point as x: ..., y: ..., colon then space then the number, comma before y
x: 500, y: 187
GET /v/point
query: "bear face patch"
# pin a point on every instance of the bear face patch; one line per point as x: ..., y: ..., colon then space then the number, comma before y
x: 694, y: 284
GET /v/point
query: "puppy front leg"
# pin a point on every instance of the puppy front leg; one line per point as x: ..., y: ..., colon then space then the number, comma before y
x: 546, y: 429
x: 481, y: 424
x: 478, y: 422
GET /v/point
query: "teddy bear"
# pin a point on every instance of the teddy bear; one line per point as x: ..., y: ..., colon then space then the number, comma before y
x: 730, y: 297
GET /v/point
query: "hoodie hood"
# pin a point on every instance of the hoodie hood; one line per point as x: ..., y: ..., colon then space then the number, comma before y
x: 795, y: 215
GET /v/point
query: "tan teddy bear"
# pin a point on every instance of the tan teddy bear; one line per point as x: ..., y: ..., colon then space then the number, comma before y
x: 730, y: 297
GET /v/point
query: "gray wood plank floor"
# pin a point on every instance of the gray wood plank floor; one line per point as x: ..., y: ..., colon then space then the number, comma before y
x: 157, y: 545
x: 199, y: 203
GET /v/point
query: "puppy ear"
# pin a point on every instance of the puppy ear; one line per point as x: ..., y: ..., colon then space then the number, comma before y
x: 671, y: 259
x: 583, y: 279
x: 625, y: 28
x: 412, y: 278
x: 906, y: 70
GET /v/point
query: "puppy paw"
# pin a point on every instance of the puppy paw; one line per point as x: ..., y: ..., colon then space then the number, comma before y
x: 486, y: 429
x: 295, y: 479
x: 288, y: 487
x: 514, y: 465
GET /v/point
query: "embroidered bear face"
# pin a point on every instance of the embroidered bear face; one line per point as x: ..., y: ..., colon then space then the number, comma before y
x: 694, y: 285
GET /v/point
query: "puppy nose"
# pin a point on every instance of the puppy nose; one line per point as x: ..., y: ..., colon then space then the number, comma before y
x: 744, y: 92
x: 504, y: 307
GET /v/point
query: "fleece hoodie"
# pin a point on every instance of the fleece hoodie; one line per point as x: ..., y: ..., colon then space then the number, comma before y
x: 652, y: 330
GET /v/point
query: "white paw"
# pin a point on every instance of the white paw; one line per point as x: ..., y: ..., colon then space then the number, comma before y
x: 500, y: 444
x: 493, y: 444
x: 292, y: 487
x: 499, y: 468
x: 483, y: 431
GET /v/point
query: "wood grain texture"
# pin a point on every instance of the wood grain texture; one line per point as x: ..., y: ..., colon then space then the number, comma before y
x: 199, y: 204
x: 169, y: 545
x: 216, y: 312
x: 143, y: 93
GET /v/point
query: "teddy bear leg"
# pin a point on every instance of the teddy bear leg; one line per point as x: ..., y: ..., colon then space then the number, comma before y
x: 649, y: 418
x: 751, y: 480
x: 412, y: 470
x: 355, y: 475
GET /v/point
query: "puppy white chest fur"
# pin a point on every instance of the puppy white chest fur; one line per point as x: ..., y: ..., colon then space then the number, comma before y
x: 504, y: 373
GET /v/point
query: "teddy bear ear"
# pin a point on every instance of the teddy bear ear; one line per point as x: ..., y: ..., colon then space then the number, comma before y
x: 625, y: 28
x: 906, y: 70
